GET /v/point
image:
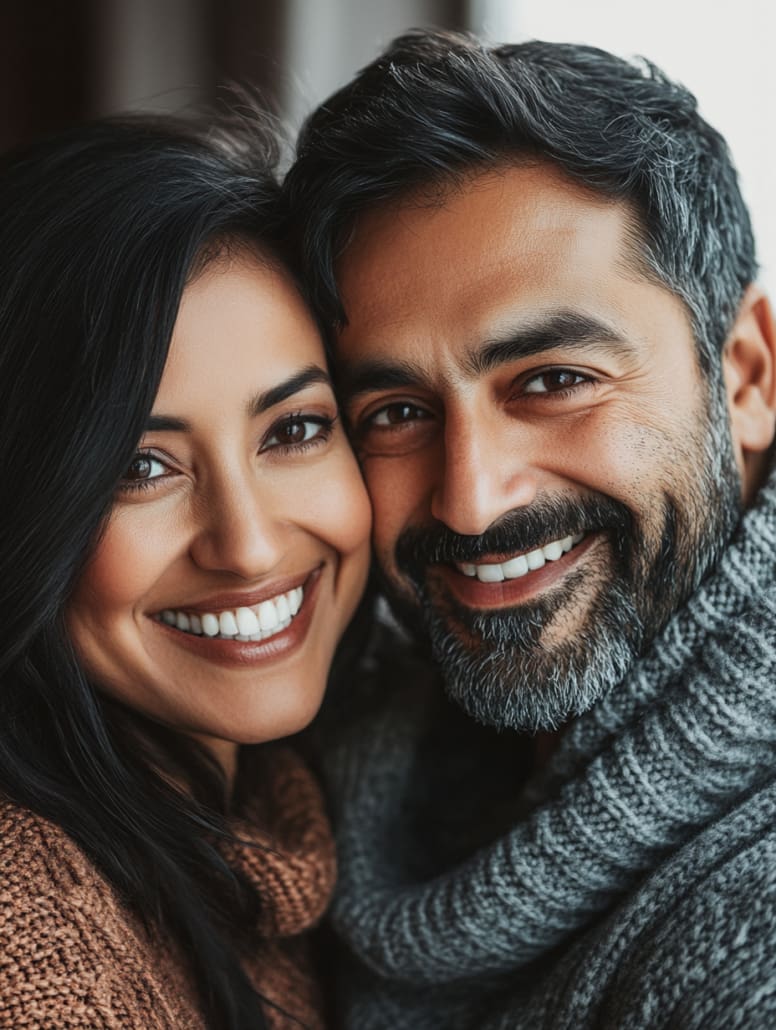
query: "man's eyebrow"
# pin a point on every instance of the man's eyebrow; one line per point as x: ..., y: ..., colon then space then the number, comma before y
x: 366, y: 376
x: 568, y: 329
x: 560, y: 329
x: 287, y: 388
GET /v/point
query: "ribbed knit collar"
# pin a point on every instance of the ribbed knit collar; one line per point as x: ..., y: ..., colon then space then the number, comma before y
x: 689, y: 732
x: 283, y: 846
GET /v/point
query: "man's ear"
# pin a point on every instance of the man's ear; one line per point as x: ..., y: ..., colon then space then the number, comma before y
x: 749, y: 367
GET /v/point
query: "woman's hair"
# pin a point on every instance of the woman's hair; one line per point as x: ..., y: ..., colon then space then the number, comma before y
x: 100, y: 230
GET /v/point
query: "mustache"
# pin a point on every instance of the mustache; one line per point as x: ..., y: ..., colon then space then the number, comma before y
x: 521, y: 529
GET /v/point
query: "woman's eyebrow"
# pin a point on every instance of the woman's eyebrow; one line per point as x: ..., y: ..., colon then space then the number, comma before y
x: 167, y: 423
x: 276, y: 394
x: 261, y: 402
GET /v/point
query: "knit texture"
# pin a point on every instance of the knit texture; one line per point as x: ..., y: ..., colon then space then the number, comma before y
x: 634, y: 885
x: 73, y: 955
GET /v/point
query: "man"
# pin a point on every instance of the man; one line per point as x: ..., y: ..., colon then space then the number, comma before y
x: 561, y: 382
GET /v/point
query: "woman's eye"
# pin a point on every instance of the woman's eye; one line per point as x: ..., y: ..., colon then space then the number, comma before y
x: 298, y: 431
x: 554, y: 380
x: 142, y: 468
x: 396, y: 414
x: 143, y: 473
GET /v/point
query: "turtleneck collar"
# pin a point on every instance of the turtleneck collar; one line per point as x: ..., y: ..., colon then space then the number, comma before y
x: 690, y: 731
x: 282, y: 846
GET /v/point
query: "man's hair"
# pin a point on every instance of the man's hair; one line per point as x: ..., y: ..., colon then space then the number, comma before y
x: 438, y: 106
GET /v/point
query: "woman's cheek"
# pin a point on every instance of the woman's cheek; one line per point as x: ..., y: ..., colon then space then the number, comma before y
x: 129, y: 558
x: 346, y: 507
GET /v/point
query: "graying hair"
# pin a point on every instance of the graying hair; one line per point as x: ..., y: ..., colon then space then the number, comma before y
x: 437, y: 105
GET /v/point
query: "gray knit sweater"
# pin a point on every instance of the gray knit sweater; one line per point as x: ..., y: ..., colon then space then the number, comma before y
x: 634, y: 886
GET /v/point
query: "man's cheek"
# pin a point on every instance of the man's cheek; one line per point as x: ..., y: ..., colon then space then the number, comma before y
x: 395, y: 579
x: 388, y: 516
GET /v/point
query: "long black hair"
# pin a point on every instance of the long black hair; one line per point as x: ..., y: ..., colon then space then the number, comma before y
x: 100, y: 229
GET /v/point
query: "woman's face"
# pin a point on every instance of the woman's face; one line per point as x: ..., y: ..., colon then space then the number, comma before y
x: 237, y: 548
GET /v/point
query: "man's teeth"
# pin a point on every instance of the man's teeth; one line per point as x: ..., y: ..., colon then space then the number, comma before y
x: 257, y: 623
x: 523, y: 563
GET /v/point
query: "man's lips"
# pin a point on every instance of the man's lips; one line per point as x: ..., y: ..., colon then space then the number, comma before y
x: 511, y: 581
x: 519, y: 564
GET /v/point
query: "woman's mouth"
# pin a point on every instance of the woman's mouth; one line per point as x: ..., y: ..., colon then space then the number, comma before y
x: 257, y: 622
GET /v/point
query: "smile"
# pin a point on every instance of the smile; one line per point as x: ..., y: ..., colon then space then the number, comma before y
x: 521, y: 564
x: 259, y: 622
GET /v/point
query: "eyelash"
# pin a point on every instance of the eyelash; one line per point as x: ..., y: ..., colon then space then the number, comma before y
x: 370, y: 421
x: 583, y: 381
x: 132, y: 486
x: 325, y: 422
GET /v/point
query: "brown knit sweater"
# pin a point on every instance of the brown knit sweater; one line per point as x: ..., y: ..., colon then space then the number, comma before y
x: 72, y: 955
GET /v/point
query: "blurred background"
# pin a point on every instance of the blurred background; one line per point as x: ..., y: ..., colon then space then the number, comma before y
x: 65, y: 60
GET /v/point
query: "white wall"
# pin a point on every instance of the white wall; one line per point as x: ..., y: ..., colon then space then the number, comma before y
x: 723, y: 50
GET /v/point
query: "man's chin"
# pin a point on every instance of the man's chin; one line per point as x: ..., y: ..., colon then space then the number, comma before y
x: 531, y: 688
x: 535, y: 667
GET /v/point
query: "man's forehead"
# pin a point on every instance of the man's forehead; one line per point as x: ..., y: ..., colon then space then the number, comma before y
x: 498, y: 187
x: 470, y: 243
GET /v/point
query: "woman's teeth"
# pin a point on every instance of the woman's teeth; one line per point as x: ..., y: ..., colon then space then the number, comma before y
x: 257, y: 623
x: 522, y: 564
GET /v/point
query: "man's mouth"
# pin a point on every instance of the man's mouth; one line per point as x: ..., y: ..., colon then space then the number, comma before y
x: 258, y: 622
x: 520, y: 564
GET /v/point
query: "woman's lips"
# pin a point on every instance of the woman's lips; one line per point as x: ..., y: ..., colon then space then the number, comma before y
x: 275, y: 640
x: 255, y: 623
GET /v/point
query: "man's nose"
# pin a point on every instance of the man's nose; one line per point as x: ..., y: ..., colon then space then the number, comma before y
x: 237, y: 531
x: 484, y: 474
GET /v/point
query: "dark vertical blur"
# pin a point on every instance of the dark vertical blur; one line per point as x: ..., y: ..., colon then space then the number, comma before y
x: 46, y: 66
x: 62, y: 61
x: 248, y: 40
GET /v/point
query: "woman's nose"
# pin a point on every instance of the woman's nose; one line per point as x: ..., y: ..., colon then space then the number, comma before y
x: 237, y: 532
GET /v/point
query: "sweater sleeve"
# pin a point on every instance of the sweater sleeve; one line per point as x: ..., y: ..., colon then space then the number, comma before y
x: 71, y: 955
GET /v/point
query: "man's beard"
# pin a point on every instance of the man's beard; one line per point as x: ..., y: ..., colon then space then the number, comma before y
x: 497, y: 666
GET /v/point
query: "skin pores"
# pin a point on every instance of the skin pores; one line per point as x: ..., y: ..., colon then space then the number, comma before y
x: 534, y: 433
x: 244, y: 496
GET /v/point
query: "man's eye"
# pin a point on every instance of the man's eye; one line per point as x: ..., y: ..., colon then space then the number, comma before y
x: 396, y: 414
x: 553, y: 381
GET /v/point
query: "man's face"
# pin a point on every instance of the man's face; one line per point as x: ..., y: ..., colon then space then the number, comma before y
x: 548, y: 480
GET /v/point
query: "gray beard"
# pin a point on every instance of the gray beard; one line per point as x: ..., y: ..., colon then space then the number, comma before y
x: 495, y: 665
x: 511, y: 680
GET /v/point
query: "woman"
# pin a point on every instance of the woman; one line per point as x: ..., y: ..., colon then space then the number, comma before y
x: 184, y: 541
